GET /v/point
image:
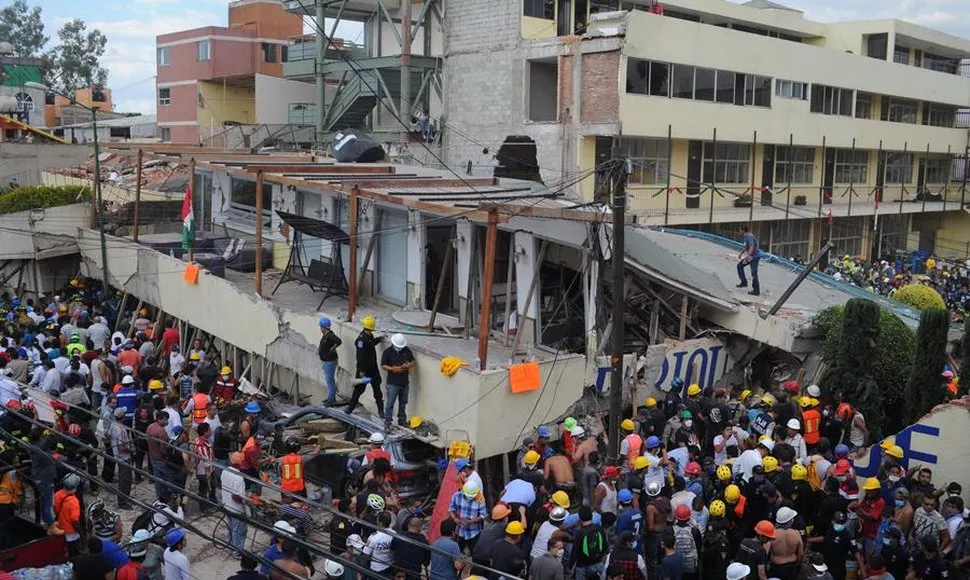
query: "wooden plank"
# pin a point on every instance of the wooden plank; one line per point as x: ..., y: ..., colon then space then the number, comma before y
x: 553, y: 213
x: 383, y: 183
x: 134, y: 315
x: 319, y: 168
x: 654, y: 322
x: 352, y: 211
x: 488, y: 279
x: 139, y: 159
x: 441, y: 287
x: 684, y: 302
x: 259, y: 233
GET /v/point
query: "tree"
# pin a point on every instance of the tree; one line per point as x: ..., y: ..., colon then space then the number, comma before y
x: 890, y: 365
x: 75, y: 61
x: 919, y: 297
x: 23, y: 28
x: 925, y: 387
x: 851, y: 375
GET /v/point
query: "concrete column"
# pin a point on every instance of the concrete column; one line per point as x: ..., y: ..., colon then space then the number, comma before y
x: 417, y: 239
x: 525, y: 266
x: 321, y: 81
x: 221, y: 191
x: 367, y: 224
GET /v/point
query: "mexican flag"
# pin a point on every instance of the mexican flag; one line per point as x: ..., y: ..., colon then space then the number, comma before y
x: 188, y: 220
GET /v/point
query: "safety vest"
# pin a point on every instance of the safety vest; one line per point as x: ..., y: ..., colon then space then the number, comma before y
x: 292, y: 473
x: 635, y: 444
x: 811, y: 420
x: 200, y: 401
x: 10, y: 490
x: 250, y: 443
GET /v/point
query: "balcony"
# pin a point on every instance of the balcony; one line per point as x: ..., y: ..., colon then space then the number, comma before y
x: 333, y: 7
x: 302, y: 55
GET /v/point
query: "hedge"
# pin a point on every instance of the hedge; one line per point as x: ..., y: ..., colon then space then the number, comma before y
x: 41, y: 196
x: 925, y: 387
x: 920, y: 297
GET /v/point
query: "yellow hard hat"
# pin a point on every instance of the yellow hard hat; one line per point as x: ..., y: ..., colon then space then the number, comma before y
x: 887, y: 443
x: 531, y: 457
x: 764, y: 438
x: 225, y: 371
x: 195, y: 356
x: 415, y: 422
x: 724, y: 473
x: 732, y: 493
x: 76, y: 283
x: 895, y: 451
x: 770, y: 464
x: 768, y: 400
x: 627, y: 425
x: 156, y: 385
x: 62, y: 308
x: 745, y: 394
x: 561, y: 499
x: 693, y: 390
x: 871, y: 484
x: 717, y: 509
x: 515, y: 528
x: 368, y: 322
x: 641, y: 463
x: 143, y: 312
x: 650, y: 403
x: 805, y: 402
x: 799, y: 472
x: 815, y: 402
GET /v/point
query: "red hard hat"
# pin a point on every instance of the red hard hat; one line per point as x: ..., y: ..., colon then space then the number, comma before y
x: 74, y: 430
x: 844, y: 411
x: 791, y: 386
x: 842, y: 467
x: 765, y: 528
x: 13, y: 405
x: 682, y: 513
x: 693, y: 468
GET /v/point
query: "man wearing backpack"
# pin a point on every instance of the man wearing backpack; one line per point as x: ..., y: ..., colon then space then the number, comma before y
x: 754, y: 551
x: 589, y: 547
x: 687, y: 542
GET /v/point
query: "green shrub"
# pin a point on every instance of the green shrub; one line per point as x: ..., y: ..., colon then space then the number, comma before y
x: 890, y: 365
x: 919, y: 297
x: 851, y: 373
x: 924, y: 390
x: 41, y: 196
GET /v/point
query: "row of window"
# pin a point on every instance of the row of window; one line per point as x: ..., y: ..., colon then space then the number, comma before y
x: 203, y: 52
x: 877, y: 46
x: 730, y: 163
x: 682, y: 81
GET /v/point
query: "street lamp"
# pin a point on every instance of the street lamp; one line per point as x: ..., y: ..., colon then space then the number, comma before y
x: 97, y: 175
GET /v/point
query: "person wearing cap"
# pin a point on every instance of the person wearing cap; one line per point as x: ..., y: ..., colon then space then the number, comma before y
x: 752, y: 458
x: 467, y: 508
x: 796, y: 440
x: 631, y: 446
x: 177, y: 456
x: 224, y: 388
x: 870, y: 511
x: 630, y: 518
x: 604, y: 496
x: 327, y: 351
x: 445, y: 562
x: 817, y: 570
x: 507, y: 555
x: 398, y: 362
x: 233, y: 499
x: 894, y: 554
x: 928, y: 562
x: 787, y: 549
x: 626, y: 559
x: 837, y: 545
x: 366, y: 348
x: 176, y: 562
x: 67, y: 512
x: 122, y: 448
x: 411, y: 551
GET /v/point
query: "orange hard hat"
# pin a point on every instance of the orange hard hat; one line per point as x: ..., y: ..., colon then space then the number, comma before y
x: 765, y: 528
x: 844, y: 411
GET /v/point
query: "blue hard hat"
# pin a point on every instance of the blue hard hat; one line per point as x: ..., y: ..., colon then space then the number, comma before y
x: 174, y: 536
x: 54, y: 353
x: 461, y: 464
x: 841, y: 449
x: 15, y: 302
x: 324, y: 322
x: 624, y: 496
x: 22, y: 352
x: 653, y: 442
x: 252, y: 407
x: 544, y: 431
x: 85, y: 314
x: 677, y: 383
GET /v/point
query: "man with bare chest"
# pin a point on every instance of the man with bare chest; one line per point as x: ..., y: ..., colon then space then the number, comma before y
x: 559, y: 469
x: 787, y: 550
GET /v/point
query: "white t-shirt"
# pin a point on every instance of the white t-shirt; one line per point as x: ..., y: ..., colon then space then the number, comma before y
x: 233, y: 483
x: 379, y: 549
x: 176, y: 361
x: 748, y: 460
x: 539, y: 546
x: 857, y: 437
x: 97, y: 367
x: 176, y: 566
x: 655, y: 472
x: 174, y: 420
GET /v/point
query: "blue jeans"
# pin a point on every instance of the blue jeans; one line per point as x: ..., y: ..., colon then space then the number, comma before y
x: 330, y: 377
x: 589, y: 572
x: 755, y: 284
x: 162, y: 477
x: 45, y: 489
x: 400, y: 393
x: 237, y: 534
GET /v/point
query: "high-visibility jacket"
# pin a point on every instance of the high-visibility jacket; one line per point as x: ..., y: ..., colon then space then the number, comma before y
x: 635, y: 444
x: 199, y: 402
x: 11, y: 489
x: 292, y: 473
x: 811, y: 419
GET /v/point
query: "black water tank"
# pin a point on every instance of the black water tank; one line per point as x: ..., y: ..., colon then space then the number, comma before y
x: 352, y: 146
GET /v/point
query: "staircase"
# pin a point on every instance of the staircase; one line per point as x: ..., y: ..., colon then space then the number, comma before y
x: 356, y: 99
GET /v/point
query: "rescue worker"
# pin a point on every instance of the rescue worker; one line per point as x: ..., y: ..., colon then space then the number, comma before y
x: 252, y: 459
x: 11, y: 492
x: 224, y: 390
x: 67, y: 514
x: 196, y: 406
x: 291, y: 469
x: 811, y: 422
x: 367, y: 367
x: 250, y: 424
x: 74, y: 345
x: 631, y: 446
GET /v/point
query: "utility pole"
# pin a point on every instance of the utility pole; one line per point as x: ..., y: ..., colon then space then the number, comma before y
x: 621, y: 172
x: 99, y: 205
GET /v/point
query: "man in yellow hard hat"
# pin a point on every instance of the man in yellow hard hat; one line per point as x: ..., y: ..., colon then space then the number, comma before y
x: 631, y: 446
x: 367, y: 367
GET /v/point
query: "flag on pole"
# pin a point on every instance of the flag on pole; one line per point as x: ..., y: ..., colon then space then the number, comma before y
x: 188, y: 220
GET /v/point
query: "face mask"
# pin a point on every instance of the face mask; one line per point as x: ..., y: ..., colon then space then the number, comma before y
x: 688, y: 423
x: 840, y: 477
x: 893, y: 478
x: 838, y: 527
x: 900, y: 503
x: 826, y: 413
x: 225, y: 377
x: 887, y: 542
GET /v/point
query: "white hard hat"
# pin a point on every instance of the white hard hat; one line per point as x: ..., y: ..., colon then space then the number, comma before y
x: 785, y: 515
x: 333, y: 569
x: 127, y: 380
x: 284, y: 527
x: 398, y: 340
x: 376, y: 438
x: 767, y: 444
x: 794, y: 424
x: 814, y: 391
x: 577, y: 431
x: 737, y: 571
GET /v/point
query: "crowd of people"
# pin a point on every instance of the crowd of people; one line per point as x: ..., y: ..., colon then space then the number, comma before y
x: 707, y: 483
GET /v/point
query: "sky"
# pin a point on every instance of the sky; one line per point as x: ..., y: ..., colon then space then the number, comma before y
x: 131, y: 27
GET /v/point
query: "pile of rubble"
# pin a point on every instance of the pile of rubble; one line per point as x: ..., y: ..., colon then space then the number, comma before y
x: 119, y: 169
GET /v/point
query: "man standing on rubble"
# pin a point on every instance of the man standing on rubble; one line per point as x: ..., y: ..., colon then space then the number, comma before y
x: 398, y: 362
x: 366, y: 345
x: 329, y: 342
x: 750, y: 256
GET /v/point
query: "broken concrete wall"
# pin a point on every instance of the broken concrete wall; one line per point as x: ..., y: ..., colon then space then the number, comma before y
x: 27, y: 233
x: 26, y: 162
x: 469, y: 402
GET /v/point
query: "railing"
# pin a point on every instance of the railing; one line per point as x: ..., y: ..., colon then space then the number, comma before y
x: 302, y: 114
x: 301, y: 51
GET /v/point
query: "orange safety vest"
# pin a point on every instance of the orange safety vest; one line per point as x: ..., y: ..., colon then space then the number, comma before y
x: 740, y: 507
x: 200, y: 401
x: 811, y: 420
x: 292, y: 473
x: 10, y: 490
x: 635, y: 444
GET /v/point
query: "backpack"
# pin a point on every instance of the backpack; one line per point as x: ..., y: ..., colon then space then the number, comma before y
x: 142, y: 522
x: 814, y: 478
x: 716, y: 542
x: 686, y: 547
x: 748, y: 555
x: 173, y: 455
x: 591, y: 543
